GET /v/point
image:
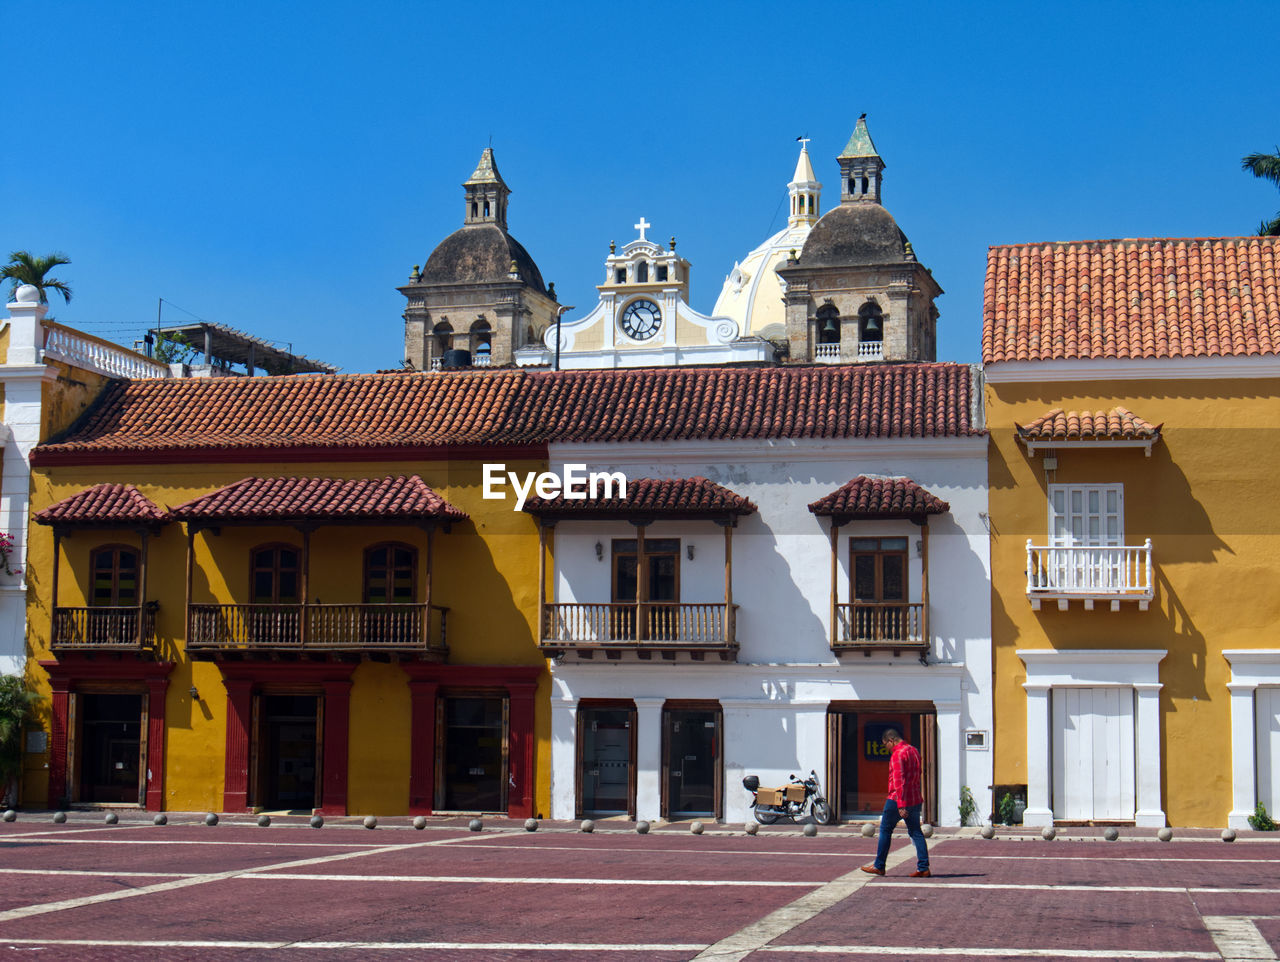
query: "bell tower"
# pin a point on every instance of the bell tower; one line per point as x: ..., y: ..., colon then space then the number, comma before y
x: 861, y: 169
x: 487, y: 193
x: 805, y: 191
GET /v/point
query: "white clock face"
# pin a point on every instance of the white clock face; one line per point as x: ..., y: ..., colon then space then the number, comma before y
x: 641, y: 320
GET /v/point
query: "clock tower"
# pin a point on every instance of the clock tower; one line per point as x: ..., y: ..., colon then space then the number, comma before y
x: 643, y: 318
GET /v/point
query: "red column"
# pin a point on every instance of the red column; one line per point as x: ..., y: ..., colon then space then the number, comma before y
x: 422, y: 746
x: 235, y: 792
x: 59, y: 789
x: 337, y: 713
x: 156, y: 688
x: 520, y: 788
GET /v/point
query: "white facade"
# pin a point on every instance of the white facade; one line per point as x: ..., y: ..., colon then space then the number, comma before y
x: 775, y: 698
x: 1255, y: 732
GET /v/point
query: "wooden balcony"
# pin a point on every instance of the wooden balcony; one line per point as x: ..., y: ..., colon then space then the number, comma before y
x: 400, y: 628
x: 667, y: 628
x: 1088, y: 573
x: 105, y: 629
x: 880, y: 626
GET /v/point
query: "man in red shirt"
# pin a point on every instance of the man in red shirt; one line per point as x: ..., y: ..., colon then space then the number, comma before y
x: 903, y: 804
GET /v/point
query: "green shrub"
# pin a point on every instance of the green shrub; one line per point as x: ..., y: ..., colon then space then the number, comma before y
x: 1261, y: 821
x: 17, y: 708
x: 968, y: 807
x: 1008, y: 809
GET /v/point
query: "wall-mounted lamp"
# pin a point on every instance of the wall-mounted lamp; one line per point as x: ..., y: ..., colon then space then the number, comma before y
x: 194, y: 693
x: 689, y: 552
x: 919, y: 547
x: 599, y: 551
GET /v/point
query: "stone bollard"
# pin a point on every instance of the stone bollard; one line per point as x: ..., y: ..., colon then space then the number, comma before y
x: 926, y: 830
x: 1165, y: 834
x: 1228, y: 834
x: 10, y: 815
x: 868, y: 830
x: 810, y: 830
x: 317, y: 821
x: 264, y: 821
x: 475, y: 825
x: 530, y: 824
x: 370, y: 821
x: 587, y: 826
x: 161, y: 819
x: 59, y: 817
x: 1048, y: 833
x: 1111, y: 834
x: 752, y: 828
x: 211, y: 819
x: 642, y: 827
x: 111, y: 819
x: 696, y: 828
x: 988, y: 831
x: 419, y: 822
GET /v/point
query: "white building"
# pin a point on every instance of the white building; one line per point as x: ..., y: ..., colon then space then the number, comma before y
x: 721, y: 659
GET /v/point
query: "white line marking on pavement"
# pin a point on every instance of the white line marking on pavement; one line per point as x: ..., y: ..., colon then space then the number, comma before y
x: 760, y: 933
x: 260, y: 875
x: 930, y: 951
x: 261, y: 843
x: 124, y: 873
x: 1237, y: 938
x: 373, y: 946
x: 27, y: 911
x: 1042, y: 887
x: 1104, y: 858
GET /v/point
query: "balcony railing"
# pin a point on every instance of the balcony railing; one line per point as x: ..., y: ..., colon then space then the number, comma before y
x: 104, y: 629
x: 871, y: 350
x: 95, y: 354
x: 827, y: 353
x: 397, y: 627
x: 878, y: 625
x: 668, y: 626
x: 1113, y: 573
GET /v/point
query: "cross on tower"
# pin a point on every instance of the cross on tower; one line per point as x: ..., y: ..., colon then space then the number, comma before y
x: 804, y: 142
x: 642, y: 227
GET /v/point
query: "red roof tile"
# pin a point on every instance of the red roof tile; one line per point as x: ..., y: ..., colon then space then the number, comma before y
x: 664, y: 497
x: 1117, y: 424
x: 104, y: 504
x: 868, y: 498
x: 374, y: 411
x: 1160, y: 298
x: 289, y: 499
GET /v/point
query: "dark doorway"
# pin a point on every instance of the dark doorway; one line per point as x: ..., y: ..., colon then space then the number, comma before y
x: 606, y: 748
x: 110, y: 747
x: 472, y: 753
x: 290, y: 750
x: 859, y: 765
x: 691, y: 761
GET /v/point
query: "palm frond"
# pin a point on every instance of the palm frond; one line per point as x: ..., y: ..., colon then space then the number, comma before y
x: 1265, y: 166
x: 25, y: 268
x: 1270, y: 228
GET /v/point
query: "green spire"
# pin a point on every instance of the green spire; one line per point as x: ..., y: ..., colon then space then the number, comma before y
x: 859, y: 144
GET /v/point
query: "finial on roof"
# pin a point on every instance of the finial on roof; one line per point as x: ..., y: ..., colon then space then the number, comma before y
x: 514, y: 270
x: 673, y: 241
x: 613, y: 247
x: 414, y: 276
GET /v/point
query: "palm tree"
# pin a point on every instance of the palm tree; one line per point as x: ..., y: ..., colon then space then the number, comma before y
x: 25, y: 269
x: 1266, y: 166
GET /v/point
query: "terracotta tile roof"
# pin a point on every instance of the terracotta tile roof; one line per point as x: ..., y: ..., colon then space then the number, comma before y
x: 104, y: 504
x: 289, y: 499
x: 659, y: 497
x: 372, y: 411
x: 1159, y: 298
x: 1117, y: 424
x: 869, y: 498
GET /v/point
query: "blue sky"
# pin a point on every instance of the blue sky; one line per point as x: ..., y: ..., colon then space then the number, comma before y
x: 280, y: 167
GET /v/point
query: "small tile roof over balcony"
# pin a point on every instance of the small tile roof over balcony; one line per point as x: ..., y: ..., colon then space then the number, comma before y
x: 1117, y: 427
x: 871, y: 499
x: 404, y: 500
x: 105, y: 505
x: 690, y: 498
x: 1132, y: 299
x: 455, y: 414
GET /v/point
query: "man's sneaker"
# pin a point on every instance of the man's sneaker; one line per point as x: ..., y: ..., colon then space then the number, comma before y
x: 923, y: 873
x: 872, y: 870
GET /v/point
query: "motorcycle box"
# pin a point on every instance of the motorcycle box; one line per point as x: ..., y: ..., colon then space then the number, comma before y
x: 769, y: 796
x: 794, y: 793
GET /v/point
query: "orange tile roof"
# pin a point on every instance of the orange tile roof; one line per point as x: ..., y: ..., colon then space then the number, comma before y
x: 1117, y: 424
x: 379, y: 411
x: 294, y: 499
x: 104, y: 504
x: 660, y: 497
x: 1157, y: 298
x: 869, y: 498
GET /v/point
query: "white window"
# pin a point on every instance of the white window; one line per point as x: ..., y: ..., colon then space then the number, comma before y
x: 1086, y: 514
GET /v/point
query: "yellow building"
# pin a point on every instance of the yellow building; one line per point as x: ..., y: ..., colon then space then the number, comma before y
x: 1133, y: 391
x: 288, y: 593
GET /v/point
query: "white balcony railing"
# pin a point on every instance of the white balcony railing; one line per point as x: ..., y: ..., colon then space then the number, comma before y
x: 871, y: 350
x: 827, y: 353
x: 1090, y: 573
x: 95, y: 354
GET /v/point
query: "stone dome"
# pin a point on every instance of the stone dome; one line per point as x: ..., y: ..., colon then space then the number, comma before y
x: 854, y: 234
x: 480, y: 254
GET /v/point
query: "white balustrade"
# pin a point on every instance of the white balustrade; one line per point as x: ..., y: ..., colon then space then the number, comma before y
x: 1091, y: 572
x: 871, y: 350
x: 95, y: 354
x: 827, y: 353
x: 481, y: 360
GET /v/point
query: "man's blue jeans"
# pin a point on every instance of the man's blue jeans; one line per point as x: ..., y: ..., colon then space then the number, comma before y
x: 889, y: 821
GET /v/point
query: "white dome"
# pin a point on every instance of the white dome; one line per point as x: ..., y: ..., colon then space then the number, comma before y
x: 752, y: 293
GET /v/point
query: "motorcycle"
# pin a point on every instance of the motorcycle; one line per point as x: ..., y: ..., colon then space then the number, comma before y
x: 794, y: 800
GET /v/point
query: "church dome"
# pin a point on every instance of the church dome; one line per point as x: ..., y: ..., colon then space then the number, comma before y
x: 853, y: 234
x: 480, y: 254
x: 752, y: 293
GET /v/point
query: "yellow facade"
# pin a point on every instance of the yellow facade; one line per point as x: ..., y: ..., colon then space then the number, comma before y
x: 1205, y: 498
x: 484, y: 571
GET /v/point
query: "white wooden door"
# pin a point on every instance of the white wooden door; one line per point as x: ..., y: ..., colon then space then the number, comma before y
x: 1267, y: 713
x: 1093, y: 764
